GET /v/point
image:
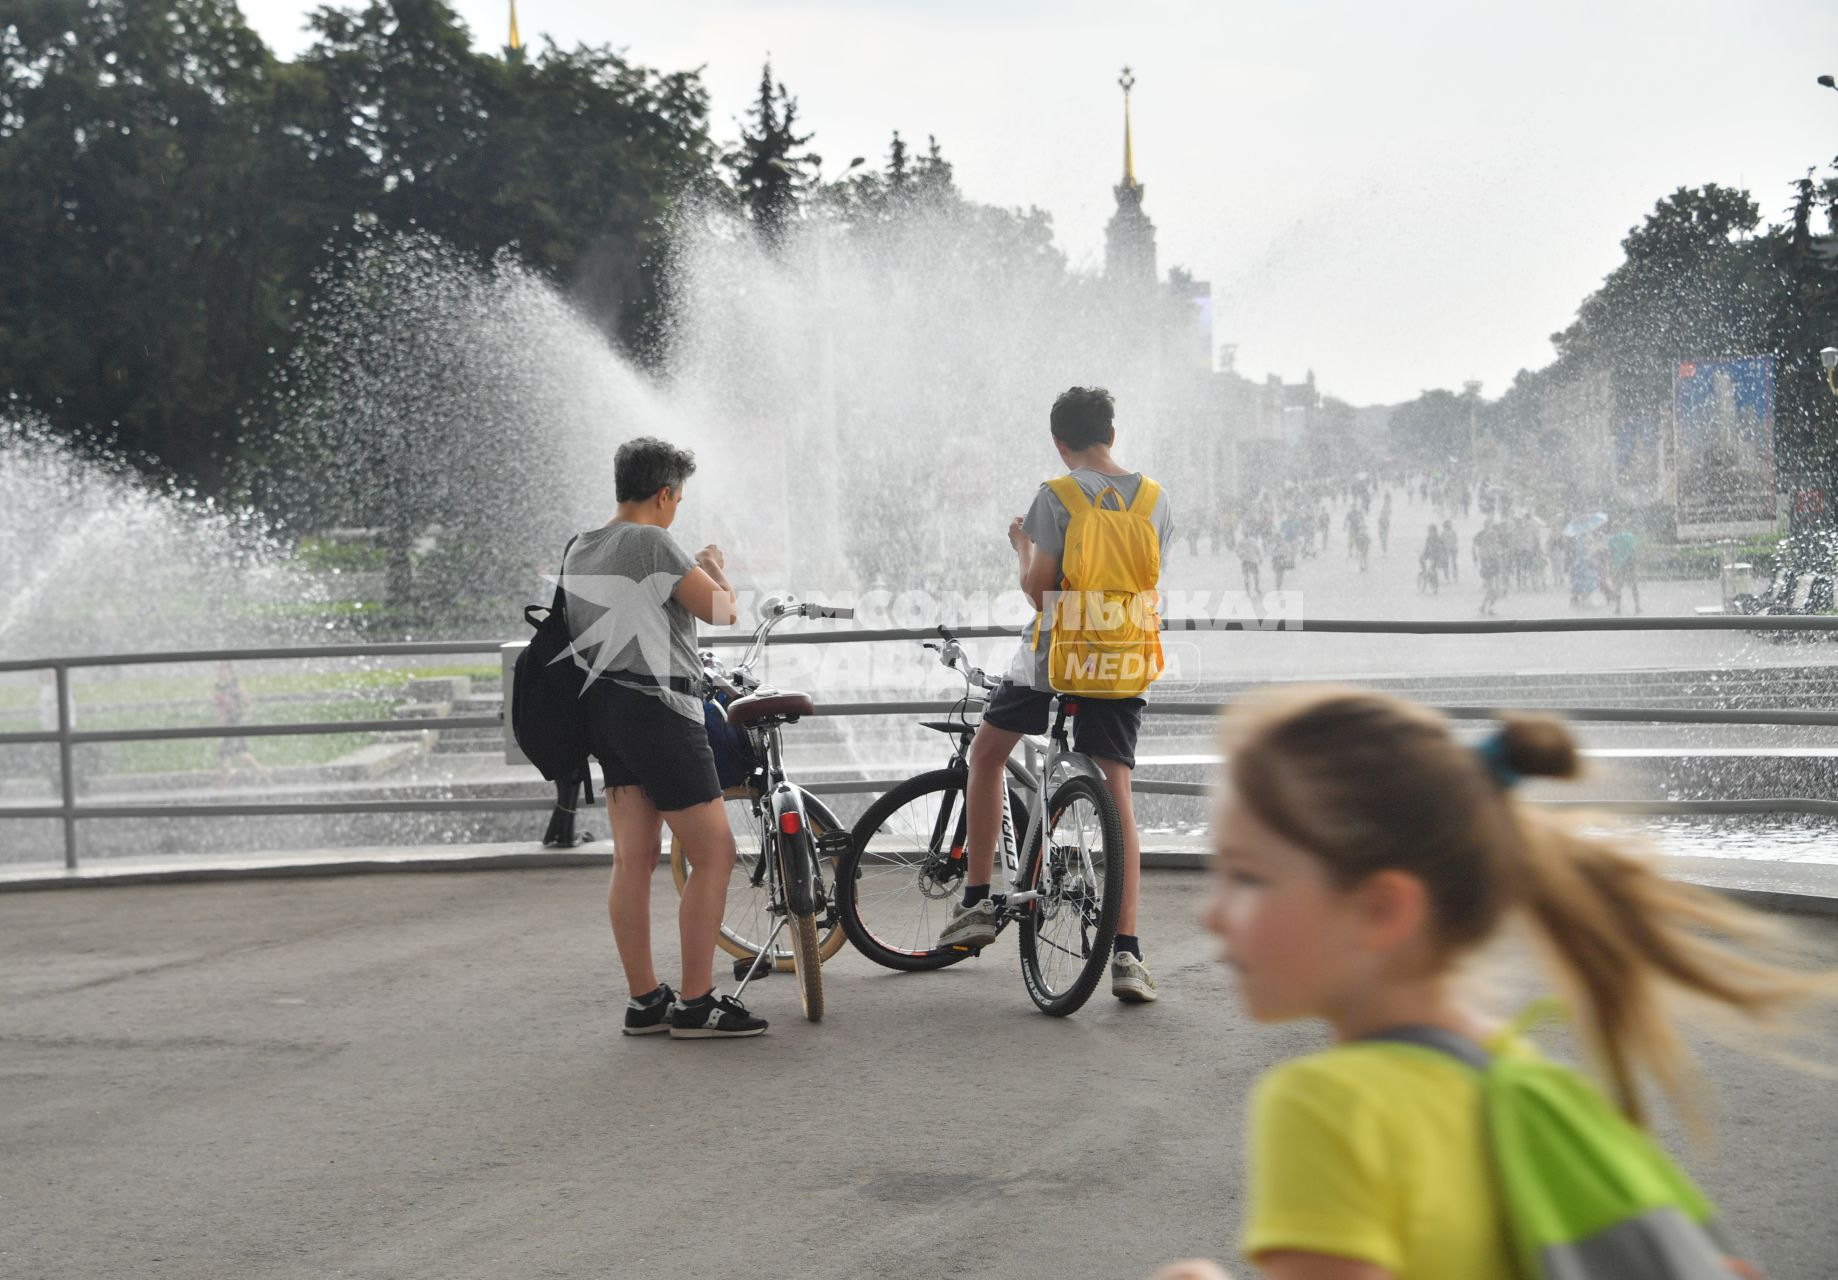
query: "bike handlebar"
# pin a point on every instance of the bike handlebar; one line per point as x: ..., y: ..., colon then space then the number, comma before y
x: 773, y: 611
x: 951, y: 655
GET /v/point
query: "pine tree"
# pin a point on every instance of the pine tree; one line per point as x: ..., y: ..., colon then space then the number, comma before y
x: 769, y: 168
x: 935, y: 181
x: 898, y: 173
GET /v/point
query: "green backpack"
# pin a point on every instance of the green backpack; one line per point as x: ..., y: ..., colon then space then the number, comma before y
x: 1586, y: 1193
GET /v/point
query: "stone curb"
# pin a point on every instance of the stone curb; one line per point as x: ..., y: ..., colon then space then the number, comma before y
x: 523, y: 857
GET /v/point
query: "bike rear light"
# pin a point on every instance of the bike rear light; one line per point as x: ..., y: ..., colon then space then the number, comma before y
x: 789, y: 823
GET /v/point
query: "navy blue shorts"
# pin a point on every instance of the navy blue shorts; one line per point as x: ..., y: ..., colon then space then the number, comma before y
x: 640, y: 742
x: 1104, y: 727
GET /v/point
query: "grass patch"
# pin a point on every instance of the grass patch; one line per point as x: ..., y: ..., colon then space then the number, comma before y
x: 22, y: 695
x: 187, y: 754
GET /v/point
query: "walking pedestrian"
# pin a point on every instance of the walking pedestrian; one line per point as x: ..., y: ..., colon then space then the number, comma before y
x: 1250, y: 561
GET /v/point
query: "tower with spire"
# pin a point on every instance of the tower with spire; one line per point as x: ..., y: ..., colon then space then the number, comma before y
x: 1129, y: 239
x: 513, y: 52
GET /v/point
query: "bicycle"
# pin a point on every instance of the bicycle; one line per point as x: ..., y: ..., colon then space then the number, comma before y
x: 784, y: 836
x: 906, y: 859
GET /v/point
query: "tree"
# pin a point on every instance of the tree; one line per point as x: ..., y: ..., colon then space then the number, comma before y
x: 1432, y: 429
x: 1693, y: 284
x: 152, y: 213
x: 899, y: 176
x: 770, y: 170
x: 173, y: 198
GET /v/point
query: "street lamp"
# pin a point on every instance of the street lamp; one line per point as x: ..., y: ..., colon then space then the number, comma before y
x: 1828, y: 356
x: 1828, y: 82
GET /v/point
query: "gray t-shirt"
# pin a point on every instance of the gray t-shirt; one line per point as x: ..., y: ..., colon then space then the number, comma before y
x: 622, y: 613
x: 1045, y: 524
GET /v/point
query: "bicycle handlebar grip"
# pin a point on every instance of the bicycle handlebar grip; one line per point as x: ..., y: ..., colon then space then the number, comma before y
x: 827, y: 611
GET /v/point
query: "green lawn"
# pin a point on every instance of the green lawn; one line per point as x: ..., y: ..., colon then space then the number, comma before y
x: 147, y: 702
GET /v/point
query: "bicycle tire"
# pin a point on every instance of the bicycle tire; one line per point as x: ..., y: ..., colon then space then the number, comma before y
x: 907, y: 952
x: 733, y: 937
x: 1096, y: 934
x: 806, y: 961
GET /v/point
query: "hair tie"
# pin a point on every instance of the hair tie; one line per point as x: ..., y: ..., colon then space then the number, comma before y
x: 1492, y: 752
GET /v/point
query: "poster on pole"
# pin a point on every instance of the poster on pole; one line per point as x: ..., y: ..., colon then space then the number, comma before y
x: 1723, y: 425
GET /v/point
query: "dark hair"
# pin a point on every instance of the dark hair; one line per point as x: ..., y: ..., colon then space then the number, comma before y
x: 1082, y: 417
x: 646, y: 464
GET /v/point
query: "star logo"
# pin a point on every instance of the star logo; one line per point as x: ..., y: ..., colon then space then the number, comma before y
x: 619, y: 612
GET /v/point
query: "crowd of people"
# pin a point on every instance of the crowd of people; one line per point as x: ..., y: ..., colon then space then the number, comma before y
x: 1363, y: 851
x: 1515, y: 551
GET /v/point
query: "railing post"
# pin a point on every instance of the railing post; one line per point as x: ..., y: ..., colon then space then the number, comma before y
x: 66, y: 768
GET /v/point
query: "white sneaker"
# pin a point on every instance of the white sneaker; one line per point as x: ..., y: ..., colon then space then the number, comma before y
x: 1130, y: 981
x: 970, y: 926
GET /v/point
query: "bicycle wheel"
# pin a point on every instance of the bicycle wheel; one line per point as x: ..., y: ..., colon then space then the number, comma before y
x: 747, y: 923
x: 801, y: 934
x: 905, y: 867
x: 1077, y: 865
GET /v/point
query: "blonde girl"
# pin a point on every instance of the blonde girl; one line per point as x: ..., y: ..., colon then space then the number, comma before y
x: 1362, y: 854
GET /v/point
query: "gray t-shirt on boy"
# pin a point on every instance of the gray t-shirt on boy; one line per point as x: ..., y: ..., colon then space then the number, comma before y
x: 622, y: 613
x: 1046, y: 523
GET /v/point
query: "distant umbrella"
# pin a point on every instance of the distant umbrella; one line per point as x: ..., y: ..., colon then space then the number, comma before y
x: 1588, y: 524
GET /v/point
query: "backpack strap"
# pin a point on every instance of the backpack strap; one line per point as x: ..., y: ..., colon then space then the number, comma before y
x: 1148, y: 493
x: 1442, y: 1040
x: 560, y: 602
x: 1069, y: 491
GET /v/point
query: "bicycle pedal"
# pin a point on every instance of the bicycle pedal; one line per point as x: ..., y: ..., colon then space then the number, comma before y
x: 743, y: 967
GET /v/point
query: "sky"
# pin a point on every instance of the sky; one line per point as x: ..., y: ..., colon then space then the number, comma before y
x: 1397, y: 195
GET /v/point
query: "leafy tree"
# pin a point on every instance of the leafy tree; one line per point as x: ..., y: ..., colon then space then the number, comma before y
x: 1432, y: 429
x: 152, y: 208
x: 172, y: 197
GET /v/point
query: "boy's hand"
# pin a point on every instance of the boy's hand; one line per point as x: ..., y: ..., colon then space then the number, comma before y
x: 1192, y: 1269
x: 1016, y: 538
x: 711, y: 559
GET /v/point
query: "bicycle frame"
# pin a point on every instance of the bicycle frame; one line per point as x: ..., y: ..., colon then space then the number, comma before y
x: 1054, y: 759
x: 789, y: 864
x: 1049, y: 757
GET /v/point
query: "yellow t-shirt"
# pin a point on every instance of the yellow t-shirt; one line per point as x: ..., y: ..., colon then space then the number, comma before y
x: 1377, y: 1152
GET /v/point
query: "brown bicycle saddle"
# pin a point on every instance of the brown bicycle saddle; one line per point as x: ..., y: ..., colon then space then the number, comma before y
x: 768, y: 704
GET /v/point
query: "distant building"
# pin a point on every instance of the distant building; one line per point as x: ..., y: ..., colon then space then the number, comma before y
x: 1224, y: 435
x: 1129, y: 240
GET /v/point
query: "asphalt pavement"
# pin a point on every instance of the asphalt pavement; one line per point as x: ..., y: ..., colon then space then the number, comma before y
x: 421, y: 1076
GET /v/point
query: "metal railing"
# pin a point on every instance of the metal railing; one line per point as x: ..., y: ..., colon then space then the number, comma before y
x: 67, y: 737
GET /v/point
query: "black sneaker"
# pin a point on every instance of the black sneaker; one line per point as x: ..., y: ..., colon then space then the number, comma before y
x: 649, y: 1015
x: 713, y: 1018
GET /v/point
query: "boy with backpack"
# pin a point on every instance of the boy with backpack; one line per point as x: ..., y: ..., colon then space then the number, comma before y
x: 1100, y: 531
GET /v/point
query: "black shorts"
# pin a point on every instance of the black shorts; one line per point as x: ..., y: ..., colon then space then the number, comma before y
x: 640, y: 742
x: 1103, y: 727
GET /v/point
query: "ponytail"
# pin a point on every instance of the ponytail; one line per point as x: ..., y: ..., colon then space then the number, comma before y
x: 1621, y: 936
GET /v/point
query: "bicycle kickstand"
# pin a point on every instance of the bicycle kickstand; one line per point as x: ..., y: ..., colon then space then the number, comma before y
x: 764, y: 955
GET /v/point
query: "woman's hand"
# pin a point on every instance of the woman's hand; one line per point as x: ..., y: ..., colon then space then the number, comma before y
x: 1192, y: 1269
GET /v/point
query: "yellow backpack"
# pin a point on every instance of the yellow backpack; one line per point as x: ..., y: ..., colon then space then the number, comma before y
x: 1106, y: 640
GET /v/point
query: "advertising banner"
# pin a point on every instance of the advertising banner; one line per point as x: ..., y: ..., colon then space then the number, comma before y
x: 1723, y: 424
